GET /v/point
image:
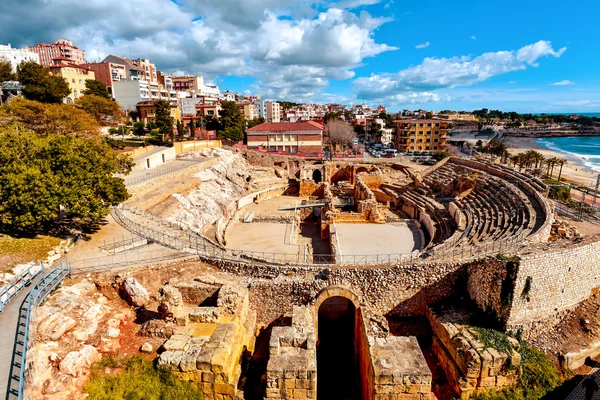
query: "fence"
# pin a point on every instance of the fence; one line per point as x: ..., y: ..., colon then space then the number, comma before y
x: 159, y: 172
x: 124, y: 260
x: 24, y: 335
x: 200, y: 246
x: 18, y: 283
x: 124, y: 244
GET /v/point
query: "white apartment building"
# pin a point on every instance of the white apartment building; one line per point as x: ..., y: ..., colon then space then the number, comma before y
x: 269, y: 110
x: 17, y: 56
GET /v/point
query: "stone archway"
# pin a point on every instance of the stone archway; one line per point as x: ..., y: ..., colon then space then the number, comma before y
x: 317, y: 176
x: 337, y: 315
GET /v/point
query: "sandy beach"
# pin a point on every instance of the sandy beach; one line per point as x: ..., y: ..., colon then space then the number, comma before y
x: 574, y: 171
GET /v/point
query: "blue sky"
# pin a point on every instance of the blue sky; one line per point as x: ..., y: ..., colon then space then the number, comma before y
x: 526, y: 56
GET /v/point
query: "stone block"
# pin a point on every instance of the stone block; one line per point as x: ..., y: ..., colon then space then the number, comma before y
x: 289, y: 383
x: 299, y: 394
x: 221, y: 377
x: 176, y: 342
x: 170, y: 359
x: 203, y: 362
x: 301, y: 374
x: 311, y: 393
x: 208, y: 376
x: 488, y: 382
x: 273, y: 393
x: 219, y: 360
x: 224, y: 388
x: 301, y: 384
x: 289, y: 374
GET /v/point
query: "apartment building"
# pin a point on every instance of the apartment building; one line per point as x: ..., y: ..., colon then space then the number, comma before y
x: 421, y: 134
x: 60, y: 49
x: 147, y: 110
x: 287, y: 137
x: 188, y: 83
x: 74, y: 74
x: 17, y: 56
x: 269, y: 110
x: 108, y: 72
x: 248, y: 109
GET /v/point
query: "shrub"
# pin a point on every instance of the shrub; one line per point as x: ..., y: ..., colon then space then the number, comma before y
x: 138, y: 380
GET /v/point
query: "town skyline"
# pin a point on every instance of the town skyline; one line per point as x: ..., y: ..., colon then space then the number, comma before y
x: 352, y: 51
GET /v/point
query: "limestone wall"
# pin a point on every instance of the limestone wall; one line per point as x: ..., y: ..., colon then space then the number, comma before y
x: 262, y: 195
x: 549, y: 282
x: 394, y: 291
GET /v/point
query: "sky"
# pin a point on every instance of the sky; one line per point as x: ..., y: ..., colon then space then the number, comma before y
x: 524, y: 56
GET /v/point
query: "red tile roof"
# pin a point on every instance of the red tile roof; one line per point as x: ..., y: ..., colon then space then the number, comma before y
x: 286, y: 126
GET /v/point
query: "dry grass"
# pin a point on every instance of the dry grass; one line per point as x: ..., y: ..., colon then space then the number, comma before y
x: 15, y: 251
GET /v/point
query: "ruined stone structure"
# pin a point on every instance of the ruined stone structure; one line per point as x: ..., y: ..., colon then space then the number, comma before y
x: 484, y: 235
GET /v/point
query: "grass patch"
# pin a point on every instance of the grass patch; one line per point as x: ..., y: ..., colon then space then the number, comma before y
x: 494, y: 339
x: 537, y: 377
x: 137, y: 379
x: 15, y: 250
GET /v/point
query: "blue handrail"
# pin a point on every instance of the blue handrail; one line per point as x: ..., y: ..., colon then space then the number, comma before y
x: 10, y: 290
x: 51, y: 279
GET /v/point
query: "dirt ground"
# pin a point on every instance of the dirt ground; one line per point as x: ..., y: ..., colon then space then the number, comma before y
x: 577, y: 330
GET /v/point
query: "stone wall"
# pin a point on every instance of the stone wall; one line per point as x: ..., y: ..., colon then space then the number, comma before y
x: 550, y: 281
x: 394, y: 291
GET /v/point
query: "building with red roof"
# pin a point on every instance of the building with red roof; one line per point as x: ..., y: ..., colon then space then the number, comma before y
x: 287, y: 137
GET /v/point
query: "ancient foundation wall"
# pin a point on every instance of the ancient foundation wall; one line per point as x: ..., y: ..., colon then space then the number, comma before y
x: 393, y: 291
x: 262, y: 195
x: 549, y: 282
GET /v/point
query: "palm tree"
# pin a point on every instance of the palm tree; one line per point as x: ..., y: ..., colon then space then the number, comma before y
x: 561, y: 162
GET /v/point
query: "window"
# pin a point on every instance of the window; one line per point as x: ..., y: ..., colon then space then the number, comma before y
x: 435, y: 147
x: 420, y: 132
x: 437, y: 132
x: 412, y: 140
x: 437, y: 124
x: 420, y: 125
x: 429, y: 125
x: 73, y: 80
x: 435, y: 140
x: 80, y: 81
x: 428, y: 140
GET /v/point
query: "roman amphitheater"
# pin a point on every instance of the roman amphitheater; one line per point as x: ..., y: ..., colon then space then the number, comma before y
x: 341, y: 279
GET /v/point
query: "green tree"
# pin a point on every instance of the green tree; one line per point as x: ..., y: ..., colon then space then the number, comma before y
x: 164, y: 121
x: 40, y: 176
x: 48, y: 119
x: 232, y: 121
x: 256, y: 121
x: 40, y: 85
x: 97, y: 88
x: 103, y: 109
x: 6, y: 72
x: 139, y: 129
x: 428, y: 115
x: 180, y: 130
x: 192, y: 126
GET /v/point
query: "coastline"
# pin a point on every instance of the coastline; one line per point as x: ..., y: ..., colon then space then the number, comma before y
x: 575, y: 171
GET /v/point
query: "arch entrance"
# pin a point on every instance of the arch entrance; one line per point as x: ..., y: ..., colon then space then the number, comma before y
x: 317, y: 176
x: 338, y: 374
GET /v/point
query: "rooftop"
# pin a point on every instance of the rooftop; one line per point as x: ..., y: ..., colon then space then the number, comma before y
x: 287, y: 126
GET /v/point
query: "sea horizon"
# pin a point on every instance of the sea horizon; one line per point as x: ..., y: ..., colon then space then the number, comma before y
x: 584, y: 150
x: 585, y: 114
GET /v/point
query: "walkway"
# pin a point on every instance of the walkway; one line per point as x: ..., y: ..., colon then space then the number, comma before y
x: 8, y: 324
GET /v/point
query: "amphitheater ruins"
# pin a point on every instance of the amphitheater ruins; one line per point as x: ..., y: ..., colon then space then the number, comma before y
x: 320, y: 268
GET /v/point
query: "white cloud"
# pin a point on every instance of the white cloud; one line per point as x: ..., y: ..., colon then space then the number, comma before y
x: 349, y: 4
x: 438, y: 73
x: 563, y: 83
x: 422, y: 45
x: 287, y: 45
x: 474, y: 37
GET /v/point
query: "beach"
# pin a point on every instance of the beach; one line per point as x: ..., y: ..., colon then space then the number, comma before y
x: 575, y: 171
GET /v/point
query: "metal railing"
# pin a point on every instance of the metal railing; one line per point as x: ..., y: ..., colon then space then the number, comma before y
x: 18, y: 367
x: 124, y: 259
x: 124, y: 244
x: 200, y: 246
x: 160, y: 172
x: 18, y: 283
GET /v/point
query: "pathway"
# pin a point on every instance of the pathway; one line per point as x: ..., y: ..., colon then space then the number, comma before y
x: 8, y: 322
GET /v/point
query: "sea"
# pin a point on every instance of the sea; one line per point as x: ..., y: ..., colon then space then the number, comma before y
x: 577, y: 149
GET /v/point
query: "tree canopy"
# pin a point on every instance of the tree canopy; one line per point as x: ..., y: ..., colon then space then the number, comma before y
x: 48, y: 119
x: 6, y: 72
x: 232, y: 121
x: 96, y: 88
x: 40, y: 84
x: 40, y: 176
x: 256, y: 121
x: 164, y: 121
x: 103, y: 109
